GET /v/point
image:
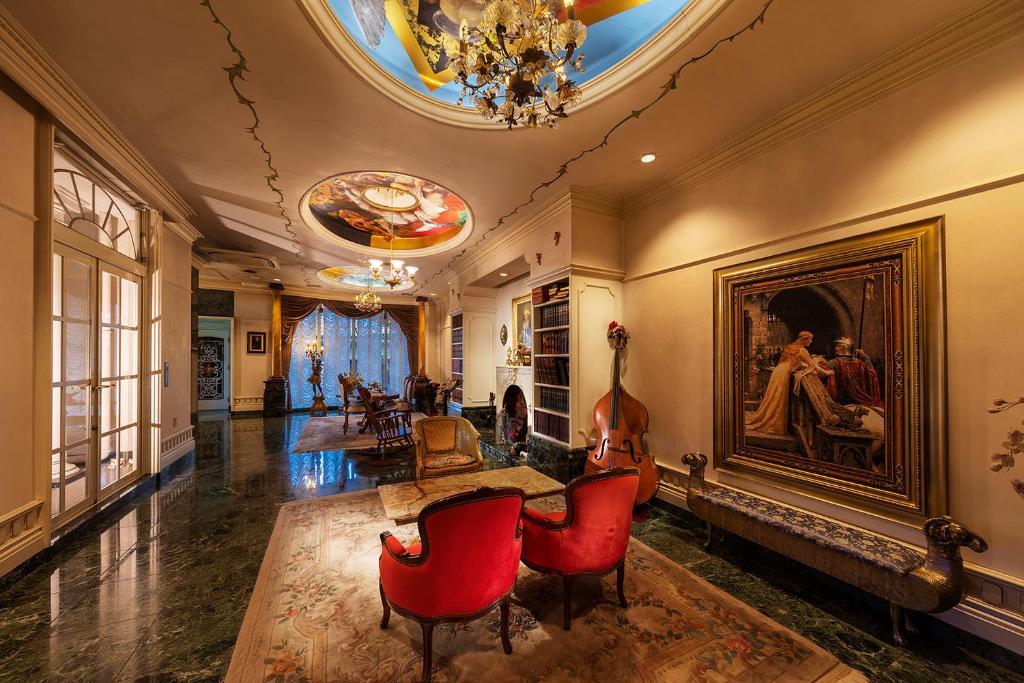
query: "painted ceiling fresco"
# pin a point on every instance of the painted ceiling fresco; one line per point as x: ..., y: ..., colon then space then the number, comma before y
x: 354, y: 277
x: 405, y: 37
x: 369, y: 208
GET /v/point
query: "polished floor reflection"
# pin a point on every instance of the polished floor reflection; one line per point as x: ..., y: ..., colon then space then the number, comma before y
x: 159, y: 591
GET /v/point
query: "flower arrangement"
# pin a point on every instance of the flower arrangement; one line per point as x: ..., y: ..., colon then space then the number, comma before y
x: 617, y: 334
x: 353, y: 378
x: 1014, y: 444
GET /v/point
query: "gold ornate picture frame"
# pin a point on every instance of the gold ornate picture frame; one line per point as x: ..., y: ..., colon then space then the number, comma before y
x: 522, y: 324
x: 830, y: 371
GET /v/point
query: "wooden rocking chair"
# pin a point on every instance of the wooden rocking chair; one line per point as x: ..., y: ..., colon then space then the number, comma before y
x: 390, y: 428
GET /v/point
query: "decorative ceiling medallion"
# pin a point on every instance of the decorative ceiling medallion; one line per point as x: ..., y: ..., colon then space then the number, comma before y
x: 364, y: 210
x: 355, y: 278
x: 396, y: 45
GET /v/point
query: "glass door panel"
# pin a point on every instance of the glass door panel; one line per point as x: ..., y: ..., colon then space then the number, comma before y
x: 72, y: 369
x: 120, y: 302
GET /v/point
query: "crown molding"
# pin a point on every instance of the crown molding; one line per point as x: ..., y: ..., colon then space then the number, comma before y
x: 28, y: 65
x: 540, y: 217
x: 184, y: 230
x: 980, y: 28
x: 609, y: 205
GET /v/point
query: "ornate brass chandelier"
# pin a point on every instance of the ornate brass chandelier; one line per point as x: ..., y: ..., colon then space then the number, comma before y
x: 367, y: 301
x: 512, y: 65
x: 397, y: 271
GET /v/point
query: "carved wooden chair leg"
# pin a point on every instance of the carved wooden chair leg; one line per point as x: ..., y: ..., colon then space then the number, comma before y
x: 344, y: 428
x: 428, y: 650
x: 896, y: 613
x: 506, y: 643
x: 620, y: 578
x: 387, y: 608
x: 567, y: 607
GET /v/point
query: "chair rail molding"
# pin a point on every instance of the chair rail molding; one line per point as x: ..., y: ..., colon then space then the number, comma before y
x: 980, y: 28
x: 25, y: 61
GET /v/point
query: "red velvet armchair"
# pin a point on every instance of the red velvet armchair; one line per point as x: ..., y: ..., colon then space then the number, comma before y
x: 465, y: 565
x: 590, y: 537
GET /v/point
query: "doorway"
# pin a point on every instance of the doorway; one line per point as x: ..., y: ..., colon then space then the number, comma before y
x: 96, y: 374
x: 214, y: 364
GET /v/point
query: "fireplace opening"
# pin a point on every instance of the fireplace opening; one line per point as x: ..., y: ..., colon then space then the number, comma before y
x: 512, y: 419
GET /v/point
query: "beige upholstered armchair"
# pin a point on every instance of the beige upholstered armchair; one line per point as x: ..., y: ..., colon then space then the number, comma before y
x: 446, y: 445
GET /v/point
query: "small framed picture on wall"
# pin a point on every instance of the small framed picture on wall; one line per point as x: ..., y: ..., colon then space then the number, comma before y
x: 256, y: 342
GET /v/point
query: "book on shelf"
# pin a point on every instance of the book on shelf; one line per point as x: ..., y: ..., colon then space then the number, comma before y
x: 555, y: 426
x: 554, y: 316
x: 554, y: 399
x: 555, y: 341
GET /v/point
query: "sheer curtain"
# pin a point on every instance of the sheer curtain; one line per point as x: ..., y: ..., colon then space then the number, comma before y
x: 398, y: 357
x: 299, y: 390
x: 369, y: 351
x: 374, y: 347
x: 337, y: 336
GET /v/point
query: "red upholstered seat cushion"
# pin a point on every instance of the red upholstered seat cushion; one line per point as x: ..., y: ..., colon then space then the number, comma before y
x: 595, y: 540
x: 472, y: 557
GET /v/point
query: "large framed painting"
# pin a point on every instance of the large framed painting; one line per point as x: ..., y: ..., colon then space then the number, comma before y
x: 830, y: 371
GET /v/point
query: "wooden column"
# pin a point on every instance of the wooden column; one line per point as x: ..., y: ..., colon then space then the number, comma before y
x: 421, y: 339
x: 275, y: 331
x: 275, y: 401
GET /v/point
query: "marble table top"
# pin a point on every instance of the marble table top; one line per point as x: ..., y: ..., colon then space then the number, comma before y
x: 403, y: 502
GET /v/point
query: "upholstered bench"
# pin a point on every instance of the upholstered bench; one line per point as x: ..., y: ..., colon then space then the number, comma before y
x: 901, y: 574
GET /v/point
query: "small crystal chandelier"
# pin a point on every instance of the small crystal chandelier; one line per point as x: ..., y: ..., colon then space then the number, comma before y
x: 512, y: 64
x: 367, y: 301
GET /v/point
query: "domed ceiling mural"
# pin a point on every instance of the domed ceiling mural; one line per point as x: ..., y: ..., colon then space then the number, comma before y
x: 375, y: 212
x: 405, y: 37
x: 355, y: 278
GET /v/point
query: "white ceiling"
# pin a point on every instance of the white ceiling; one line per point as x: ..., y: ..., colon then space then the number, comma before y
x: 157, y: 69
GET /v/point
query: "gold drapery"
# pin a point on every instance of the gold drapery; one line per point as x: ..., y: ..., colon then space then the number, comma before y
x: 295, y: 308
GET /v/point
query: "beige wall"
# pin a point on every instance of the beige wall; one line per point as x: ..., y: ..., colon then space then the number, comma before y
x: 22, y: 482
x: 249, y: 370
x: 176, y: 335
x: 949, y: 146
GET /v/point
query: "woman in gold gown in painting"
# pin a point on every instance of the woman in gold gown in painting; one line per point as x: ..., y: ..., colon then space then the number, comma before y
x: 773, y: 413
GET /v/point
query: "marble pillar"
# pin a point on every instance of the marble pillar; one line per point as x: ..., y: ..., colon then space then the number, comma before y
x: 274, y: 397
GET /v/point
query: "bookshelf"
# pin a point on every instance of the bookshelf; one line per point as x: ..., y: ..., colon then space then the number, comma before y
x: 552, y: 364
x: 457, y: 357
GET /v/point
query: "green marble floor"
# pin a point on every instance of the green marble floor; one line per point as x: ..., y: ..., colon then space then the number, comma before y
x: 157, y: 591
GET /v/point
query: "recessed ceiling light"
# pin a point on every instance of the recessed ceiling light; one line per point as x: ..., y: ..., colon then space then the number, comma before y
x: 648, y: 158
x: 503, y: 274
x: 277, y: 279
x: 433, y: 294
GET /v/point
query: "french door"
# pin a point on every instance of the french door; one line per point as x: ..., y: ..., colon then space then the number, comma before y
x: 96, y: 381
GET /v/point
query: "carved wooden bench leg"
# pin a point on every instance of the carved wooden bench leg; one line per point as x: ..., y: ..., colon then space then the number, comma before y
x: 899, y: 621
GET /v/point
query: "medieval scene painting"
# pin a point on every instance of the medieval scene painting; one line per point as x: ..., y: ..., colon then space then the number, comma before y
x: 820, y: 358
x: 815, y: 371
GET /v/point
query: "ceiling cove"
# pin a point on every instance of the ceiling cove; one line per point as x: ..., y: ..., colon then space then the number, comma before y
x: 395, y: 45
x: 380, y: 212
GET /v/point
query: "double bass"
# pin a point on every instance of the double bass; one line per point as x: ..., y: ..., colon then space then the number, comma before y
x: 620, y: 422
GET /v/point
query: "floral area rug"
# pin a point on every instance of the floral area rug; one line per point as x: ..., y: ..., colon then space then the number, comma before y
x: 327, y: 434
x: 314, y: 616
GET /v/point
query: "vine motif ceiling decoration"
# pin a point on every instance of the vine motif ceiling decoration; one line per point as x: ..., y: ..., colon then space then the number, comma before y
x: 373, y: 212
x: 406, y: 38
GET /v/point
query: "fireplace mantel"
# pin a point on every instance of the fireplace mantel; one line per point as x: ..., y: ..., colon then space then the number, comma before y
x: 523, y: 379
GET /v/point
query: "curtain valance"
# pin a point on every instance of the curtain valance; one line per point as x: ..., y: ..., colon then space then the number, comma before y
x: 295, y: 308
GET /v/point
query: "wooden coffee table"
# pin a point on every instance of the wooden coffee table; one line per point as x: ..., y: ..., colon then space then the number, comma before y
x: 403, y: 502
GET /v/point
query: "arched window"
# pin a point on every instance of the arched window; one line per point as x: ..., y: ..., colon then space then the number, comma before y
x: 92, y: 209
